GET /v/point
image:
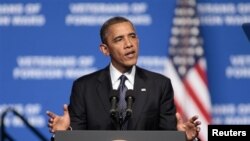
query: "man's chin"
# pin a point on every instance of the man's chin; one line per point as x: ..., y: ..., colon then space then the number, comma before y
x: 130, y: 64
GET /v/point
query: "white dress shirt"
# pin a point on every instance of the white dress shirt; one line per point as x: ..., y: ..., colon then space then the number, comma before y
x: 115, y: 75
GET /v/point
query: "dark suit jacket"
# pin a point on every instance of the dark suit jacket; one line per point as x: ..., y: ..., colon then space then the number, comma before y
x: 153, y: 109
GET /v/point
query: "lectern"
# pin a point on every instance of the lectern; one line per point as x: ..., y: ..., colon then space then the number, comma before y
x: 128, y: 135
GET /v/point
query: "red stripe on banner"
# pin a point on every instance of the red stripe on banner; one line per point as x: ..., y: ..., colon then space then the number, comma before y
x: 202, y: 73
x: 180, y: 110
x: 196, y: 100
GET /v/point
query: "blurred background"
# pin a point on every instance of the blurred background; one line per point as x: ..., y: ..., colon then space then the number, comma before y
x: 46, y: 45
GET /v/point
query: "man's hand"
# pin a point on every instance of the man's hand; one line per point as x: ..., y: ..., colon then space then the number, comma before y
x: 191, y: 127
x: 56, y: 122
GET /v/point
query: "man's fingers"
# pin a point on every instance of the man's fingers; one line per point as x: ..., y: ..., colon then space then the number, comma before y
x: 197, y: 123
x: 50, y: 125
x: 198, y: 129
x: 50, y: 120
x: 193, y: 119
x: 179, y: 119
x: 52, y: 131
x: 65, y: 109
x: 51, y: 114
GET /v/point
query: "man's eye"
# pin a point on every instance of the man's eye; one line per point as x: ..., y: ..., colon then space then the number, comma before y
x: 133, y: 36
x: 118, y: 39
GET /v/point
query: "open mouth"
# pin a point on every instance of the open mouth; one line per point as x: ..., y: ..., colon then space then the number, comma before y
x: 130, y: 54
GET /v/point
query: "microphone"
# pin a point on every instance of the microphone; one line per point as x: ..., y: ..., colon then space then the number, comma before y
x: 130, y: 100
x: 113, y: 99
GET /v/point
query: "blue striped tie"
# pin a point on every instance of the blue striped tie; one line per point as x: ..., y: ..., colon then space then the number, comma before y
x: 122, y: 92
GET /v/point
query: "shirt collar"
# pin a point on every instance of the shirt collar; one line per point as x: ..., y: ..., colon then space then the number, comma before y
x: 115, y: 75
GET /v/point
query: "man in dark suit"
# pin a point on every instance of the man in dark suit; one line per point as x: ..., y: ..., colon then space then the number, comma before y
x: 153, y: 108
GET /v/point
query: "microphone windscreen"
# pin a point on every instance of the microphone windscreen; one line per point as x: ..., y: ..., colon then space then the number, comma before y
x: 130, y: 93
x: 114, y: 93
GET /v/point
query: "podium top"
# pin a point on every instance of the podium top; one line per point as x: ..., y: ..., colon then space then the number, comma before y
x: 128, y: 135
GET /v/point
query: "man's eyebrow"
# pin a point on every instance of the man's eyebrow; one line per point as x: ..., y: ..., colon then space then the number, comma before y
x: 132, y: 33
x: 119, y: 36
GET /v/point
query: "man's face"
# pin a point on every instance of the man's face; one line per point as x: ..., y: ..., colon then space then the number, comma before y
x: 122, y: 45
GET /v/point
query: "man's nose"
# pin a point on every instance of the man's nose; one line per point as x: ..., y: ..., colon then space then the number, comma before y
x: 128, y: 43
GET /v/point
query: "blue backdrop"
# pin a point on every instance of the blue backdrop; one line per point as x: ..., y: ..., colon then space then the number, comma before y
x: 45, y: 45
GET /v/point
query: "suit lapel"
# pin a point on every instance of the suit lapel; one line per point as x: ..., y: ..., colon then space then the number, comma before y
x: 104, y: 88
x: 141, y: 92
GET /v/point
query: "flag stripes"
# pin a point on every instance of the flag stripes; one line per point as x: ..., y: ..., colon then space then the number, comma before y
x: 186, y: 66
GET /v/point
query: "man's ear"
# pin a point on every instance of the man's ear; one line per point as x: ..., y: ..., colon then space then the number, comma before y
x: 104, y: 49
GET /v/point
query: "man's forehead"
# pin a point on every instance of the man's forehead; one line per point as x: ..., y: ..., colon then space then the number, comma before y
x: 121, y: 28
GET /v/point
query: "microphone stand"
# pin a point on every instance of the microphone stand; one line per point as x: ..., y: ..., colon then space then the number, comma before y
x: 116, y: 116
x: 130, y: 100
x: 116, y: 120
x: 114, y: 113
x: 123, y: 121
x: 5, y: 135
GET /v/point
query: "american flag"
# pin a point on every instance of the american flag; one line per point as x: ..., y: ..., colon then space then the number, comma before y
x: 186, y: 65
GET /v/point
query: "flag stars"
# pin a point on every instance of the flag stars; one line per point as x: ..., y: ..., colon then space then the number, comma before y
x: 187, y: 2
x: 175, y: 31
x: 193, y: 41
x: 194, y: 31
x: 199, y: 51
x: 185, y: 31
x: 184, y: 11
x: 185, y: 44
x: 185, y: 53
x: 182, y: 70
x: 190, y: 51
x: 184, y: 60
x: 186, y: 21
x: 174, y: 40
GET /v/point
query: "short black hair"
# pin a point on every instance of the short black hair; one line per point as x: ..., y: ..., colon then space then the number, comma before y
x: 108, y: 23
